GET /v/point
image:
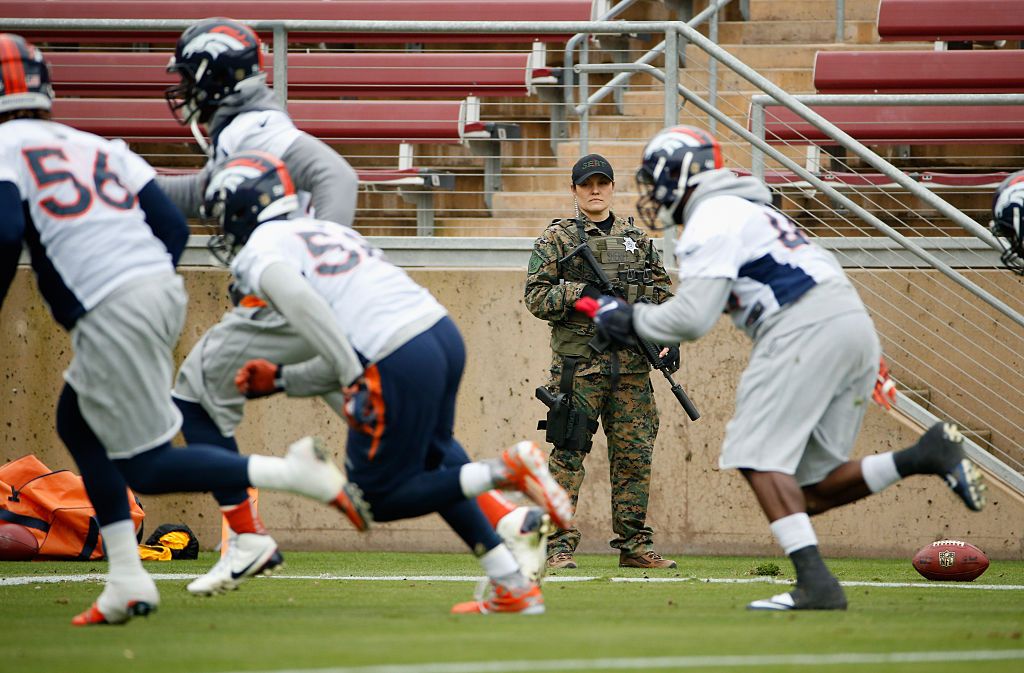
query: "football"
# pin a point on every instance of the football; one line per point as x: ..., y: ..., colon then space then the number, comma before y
x: 950, y: 561
x: 17, y: 543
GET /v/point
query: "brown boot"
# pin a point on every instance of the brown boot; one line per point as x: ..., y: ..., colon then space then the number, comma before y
x: 562, y: 560
x: 650, y: 559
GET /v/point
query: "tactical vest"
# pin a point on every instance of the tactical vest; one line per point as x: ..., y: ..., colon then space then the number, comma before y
x: 629, y: 273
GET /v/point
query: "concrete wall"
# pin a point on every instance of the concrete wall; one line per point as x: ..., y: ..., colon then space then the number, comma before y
x: 695, y: 508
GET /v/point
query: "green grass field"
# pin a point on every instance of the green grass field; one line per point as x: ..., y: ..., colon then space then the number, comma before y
x: 318, y: 621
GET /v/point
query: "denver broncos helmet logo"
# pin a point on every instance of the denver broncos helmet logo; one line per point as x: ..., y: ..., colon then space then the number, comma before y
x: 214, y: 44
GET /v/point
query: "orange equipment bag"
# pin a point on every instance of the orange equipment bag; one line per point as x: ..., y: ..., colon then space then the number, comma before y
x: 56, y: 508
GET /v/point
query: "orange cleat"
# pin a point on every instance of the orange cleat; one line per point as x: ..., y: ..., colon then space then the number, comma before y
x: 499, y: 598
x: 93, y: 616
x: 350, y: 502
x: 527, y: 471
x: 124, y: 596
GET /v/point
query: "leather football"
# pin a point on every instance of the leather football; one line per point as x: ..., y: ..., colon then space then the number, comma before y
x: 17, y: 543
x: 950, y: 561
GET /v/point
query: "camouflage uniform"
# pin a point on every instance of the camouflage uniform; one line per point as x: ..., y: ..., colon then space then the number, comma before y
x: 629, y: 414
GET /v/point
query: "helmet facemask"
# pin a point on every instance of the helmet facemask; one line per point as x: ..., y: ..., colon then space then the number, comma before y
x: 671, y: 161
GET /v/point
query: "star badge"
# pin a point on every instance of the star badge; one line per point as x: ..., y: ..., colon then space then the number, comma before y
x: 630, y: 244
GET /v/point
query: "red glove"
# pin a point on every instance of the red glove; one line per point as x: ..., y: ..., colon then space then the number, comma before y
x: 259, y: 378
x: 885, y: 389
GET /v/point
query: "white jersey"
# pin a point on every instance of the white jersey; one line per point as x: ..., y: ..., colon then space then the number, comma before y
x: 373, y: 300
x: 769, y: 260
x: 270, y: 131
x: 87, y: 233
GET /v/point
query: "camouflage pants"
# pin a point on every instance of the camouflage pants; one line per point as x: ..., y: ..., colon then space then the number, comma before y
x: 629, y: 417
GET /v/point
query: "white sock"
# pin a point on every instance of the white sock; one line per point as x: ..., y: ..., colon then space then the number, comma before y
x: 879, y: 471
x: 475, y: 478
x: 122, y: 548
x: 269, y: 472
x: 499, y: 562
x: 794, y: 532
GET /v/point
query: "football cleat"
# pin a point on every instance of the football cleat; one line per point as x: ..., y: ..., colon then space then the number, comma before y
x: 248, y: 555
x: 524, y: 468
x: 499, y: 598
x: 942, y: 449
x: 121, y: 600
x: 315, y: 475
x: 525, y: 532
x: 826, y: 597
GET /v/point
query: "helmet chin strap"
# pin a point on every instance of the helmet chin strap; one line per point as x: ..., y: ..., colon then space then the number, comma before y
x: 200, y: 140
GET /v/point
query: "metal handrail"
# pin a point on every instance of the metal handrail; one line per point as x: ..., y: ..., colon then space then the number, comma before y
x: 587, y: 101
x: 874, y: 221
x: 757, y: 115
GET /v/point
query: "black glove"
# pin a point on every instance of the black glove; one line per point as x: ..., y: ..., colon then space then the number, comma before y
x: 590, y: 291
x: 671, y: 359
x: 614, y: 320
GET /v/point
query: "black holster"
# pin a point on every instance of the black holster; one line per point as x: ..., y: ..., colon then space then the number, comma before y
x: 565, y: 426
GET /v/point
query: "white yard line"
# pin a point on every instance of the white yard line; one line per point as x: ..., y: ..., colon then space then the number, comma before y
x: 97, y: 577
x: 644, y: 663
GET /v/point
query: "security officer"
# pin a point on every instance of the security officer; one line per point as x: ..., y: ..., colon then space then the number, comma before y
x: 610, y: 384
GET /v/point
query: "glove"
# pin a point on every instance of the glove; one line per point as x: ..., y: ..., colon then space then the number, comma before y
x: 885, y: 390
x: 259, y: 378
x: 612, y: 317
x: 671, y: 359
x: 590, y: 291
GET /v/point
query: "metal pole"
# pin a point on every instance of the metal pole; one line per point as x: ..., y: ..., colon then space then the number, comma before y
x: 757, y: 127
x: 671, y: 78
x: 840, y: 20
x: 281, y: 65
x: 584, y: 86
x: 713, y: 71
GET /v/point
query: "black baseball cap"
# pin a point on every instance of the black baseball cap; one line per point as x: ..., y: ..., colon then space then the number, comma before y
x: 592, y: 164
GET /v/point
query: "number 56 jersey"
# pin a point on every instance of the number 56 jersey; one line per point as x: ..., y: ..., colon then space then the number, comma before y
x: 770, y: 261
x: 375, y: 303
x: 84, y: 227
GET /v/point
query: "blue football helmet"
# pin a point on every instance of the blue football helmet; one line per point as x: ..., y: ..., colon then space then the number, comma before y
x: 214, y: 58
x: 24, y: 76
x: 670, y: 160
x: 245, y: 190
x: 1008, y: 221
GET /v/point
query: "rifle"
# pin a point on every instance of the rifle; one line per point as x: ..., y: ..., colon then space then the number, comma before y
x: 646, y: 347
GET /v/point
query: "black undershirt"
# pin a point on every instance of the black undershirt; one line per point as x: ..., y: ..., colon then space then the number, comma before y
x: 606, y: 225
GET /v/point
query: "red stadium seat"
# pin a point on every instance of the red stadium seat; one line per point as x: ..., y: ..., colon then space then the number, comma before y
x: 900, y: 124
x: 857, y: 72
x: 317, y: 75
x: 332, y: 10
x: 950, y: 20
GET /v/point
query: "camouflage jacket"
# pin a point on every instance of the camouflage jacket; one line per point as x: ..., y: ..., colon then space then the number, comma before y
x: 553, y: 288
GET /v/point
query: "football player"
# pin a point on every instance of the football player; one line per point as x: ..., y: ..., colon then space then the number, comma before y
x: 104, y: 242
x: 793, y: 428
x: 363, y: 326
x: 223, y: 87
